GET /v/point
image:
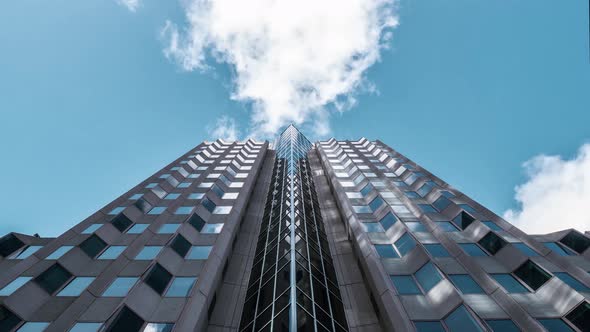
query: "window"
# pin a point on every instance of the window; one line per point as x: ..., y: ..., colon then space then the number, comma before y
x: 127, y: 321
x: 578, y: 242
x: 193, y: 175
x: 168, y: 229
x: 212, y: 228
x: 172, y: 196
x: 447, y: 226
x: 158, y: 278
x: 386, y: 251
x: 230, y: 196
x: 158, y: 327
x: 8, y: 320
x: 222, y: 210
x: 427, y: 208
x: 372, y: 227
x: 121, y: 222
x: 180, y: 245
x: 580, y: 316
x: 120, y: 287
x: 366, y: 190
x: 416, y: 226
x: 148, y: 253
x: 184, y: 185
x: 183, y: 210
x: 117, y: 210
x: 137, y: 229
x: 405, y: 244
x: 502, y: 325
x: 492, y: 243
x: 472, y: 249
x: 92, y: 246
x: 491, y: 225
x: 76, y: 286
x: 135, y: 196
x: 59, y: 252
x: 509, y: 283
x: 354, y: 195
x: 388, y: 221
x: 197, y: 222
x: 218, y: 191
x: 463, y: 220
x: 112, y: 252
x: 437, y: 250
x: 180, y: 287
x: 429, y: 327
x: 157, y: 210
x: 33, y: 327
x: 426, y: 188
x: 428, y: 276
x: 532, y: 274
x: 199, y: 252
x: 461, y: 320
x: 441, y: 203
x: 14, y: 285
x: 555, y: 325
x: 151, y: 185
x: 91, y: 229
x: 570, y: 281
x: 525, y: 249
x: 28, y: 251
x: 559, y: 249
x: 411, y: 194
x: 465, y: 284
x: 85, y: 327
x: 362, y: 209
x: 9, y: 244
x: 196, y: 196
x: 208, y: 204
x: 405, y: 285
x: 53, y: 278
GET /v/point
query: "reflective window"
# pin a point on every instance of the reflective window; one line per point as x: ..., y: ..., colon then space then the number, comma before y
x: 199, y: 252
x: 157, y: 210
x: 91, y: 228
x: 491, y: 225
x: 572, y: 282
x: 441, y: 203
x: 429, y: 327
x: 362, y: 209
x: 14, y: 285
x: 196, y: 196
x: 509, y: 283
x: 168, y: 229
x: 148, y: 253
x: 555, y: 325
x: 461, y: 320
x: 182, y: 210
x: 405, y: 285
x: 388, y: 221
x: 411, y: 194
x: 112, y: 252
x: 580, y: 316
x: 180, y: 286
x: 428, y: 276
x: 59, y: 252
x: 33, y: 327
x: 366, y: 190
x: 559, y: 249
x: 386, y: 251
x: 465, y: 284
x: 86, y: 327
x: 92, y: 246
x: 578, y: 242
x: 230, y: 196
x: 532, y: 275
x: 212, y: 228
x: 136, y: 196
x: 208, y: 204
x: 151, y: 185
x: 76, y: 286
x: 447, y: 226
x: 372, y: 227
x: 158, y: 278
x: 492, y: 243
x: 354, y: 195
x: 416, y: 226
x: 117, y: 210
x: 158, y: 327
x: 27, y: 252
x: 426, y: 188
x: 180, y: 245
x: 405, y: 244
x: 502, y: 325
x: 121, y: 222
x: 525, y: 249
x: 472, y: 249
x: 120, y: 286
x: 222, y: 210
x: 137, y: 229
x: 53, y: 278
x: 437, y: 250
x: 427, y: 208
x: 172, y: 196
x: 463, y: 220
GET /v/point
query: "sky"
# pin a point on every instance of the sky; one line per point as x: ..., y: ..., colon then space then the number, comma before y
x: 491, y: 96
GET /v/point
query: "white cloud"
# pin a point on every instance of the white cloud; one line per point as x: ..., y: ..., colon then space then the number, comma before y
x: 225, y: 128
x: 293, y: 61
x: 132, y: 5
x: 556, y: 195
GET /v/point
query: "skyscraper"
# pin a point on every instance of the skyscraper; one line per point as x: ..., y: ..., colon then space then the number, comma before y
x: 295, y: 236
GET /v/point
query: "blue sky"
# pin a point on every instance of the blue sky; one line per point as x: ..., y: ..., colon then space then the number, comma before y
x: 90, y: 106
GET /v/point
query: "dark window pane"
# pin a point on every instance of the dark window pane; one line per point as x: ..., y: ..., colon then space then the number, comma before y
x: 405, y: 244
x: 158, y: 278
x: 465, y: 284
x: 555, y: 325
x: 92, y: 246
x: 218, y: 191
x: 386, y: 251
x: 180, y: 245
x: 196, y: 221
x: 126, y: 321
x: 576, y: 241
x: 461, y: 320
x: 463, y: 220
x: 509, y: 283
x: 53, y: 278
x: 405, y: 285
x: 437, y: 250
x: 532, y: 274
x: 208, y: 204
x: 580, y: 316
x: 441, y: 203
x: 502, y: 325
x: 8, y: 320
x: 428, y: 276
x: 143, y: 205
x: 388, y: 221
x: 492, y: 243
x: 121, y: 222
x: 429, y: 327
x: 9, y: 244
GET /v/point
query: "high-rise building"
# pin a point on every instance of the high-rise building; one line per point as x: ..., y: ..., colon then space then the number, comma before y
x: 294, y: 236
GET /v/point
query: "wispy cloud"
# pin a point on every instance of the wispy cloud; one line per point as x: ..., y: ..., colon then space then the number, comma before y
x: 132, y: 5
x: 224, y: 128
x: 556, y: 195
x: 293, y: 61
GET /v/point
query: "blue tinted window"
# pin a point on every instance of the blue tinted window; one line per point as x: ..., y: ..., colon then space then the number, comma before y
x: 426, y: 208
x: 376, y: 203
x: 157, y: 210
x: 467, y: 208
x: 196, y: 196
x: 120, y: 287
x: 388, y: 221
x: 472, y: 249
x: 491, y: 225
x: 164, y: 176
x: 559, y: 249
x: 555, y: 325
x: 437, y: 250
x: 28, y: 252
x: 13, y: 286
x: 400, y: 184
x: 441, y: 203
x: 416, y: 226
x: 59, y: 252
x: 429, y: 327
x: 465, y: 284
x: 86, y: 327
x: 148, y: 252
x: 447, y: 226
x: 180, y: 286
x: 184, y: 210
x: 367, y: 189
x: 411, y: 194
x: 76, y: 287
x: 426, y: 188
x: 372, y: 227
x: 525, y: 249
x: 91, y: 228
x: 405, y: 285
x: 33, y: 327
x: 172, y: 196
x: 447, y: 194
x: 386, y: 251
x: 362, y: 209
x: 151, y: 185
x: 137, y: 229
x: 184, y: 185
x: 405, y: 244
x: 218, y: 191
x: 117, y: 210
x: 136, y: 196
x: 428, y: 276
x: 112, y: 252
x: 208, y: 204
x: 461, y: 320
x: 509, y: 283
x: 158, y: 327
x: 168, y: 229
x: 502, y: 325
x: 212, y: 228
x: 199, y: 252
x: 573, y: 283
